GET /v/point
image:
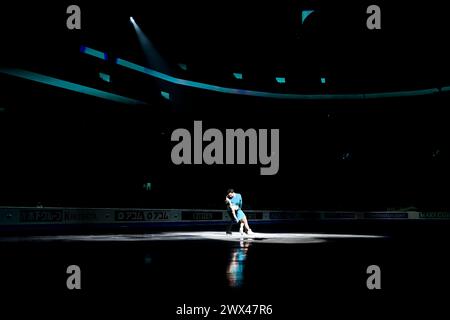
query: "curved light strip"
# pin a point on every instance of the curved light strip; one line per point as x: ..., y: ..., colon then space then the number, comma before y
x: 210, y: 87
x: 63, y: 84
x: 264, y: 94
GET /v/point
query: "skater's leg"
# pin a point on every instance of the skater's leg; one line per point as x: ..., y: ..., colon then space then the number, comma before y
x: 241, y: 227
x: 230, y: 227
x: 247, y: 227
x: 232, y: 221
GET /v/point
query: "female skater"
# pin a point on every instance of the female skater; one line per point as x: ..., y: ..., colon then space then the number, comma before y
x: 234, y: 202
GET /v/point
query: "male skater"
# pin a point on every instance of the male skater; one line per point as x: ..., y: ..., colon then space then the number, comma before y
x: 234, y: 206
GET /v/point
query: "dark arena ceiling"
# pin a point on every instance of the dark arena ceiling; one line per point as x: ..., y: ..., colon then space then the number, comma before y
x: 362, y: 113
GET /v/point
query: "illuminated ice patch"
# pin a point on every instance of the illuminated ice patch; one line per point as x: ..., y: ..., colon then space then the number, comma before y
x: 198, y: 235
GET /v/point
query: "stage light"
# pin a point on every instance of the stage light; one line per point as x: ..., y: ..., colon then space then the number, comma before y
x: 305, y: 14
x: 147, y: 186
x: 153, y: 57
x: 105, y: 77
x: 280, y: 80
x: 183, y: 66
x: 237, y: 75
x: 165, y: 95
x: 323, y: 80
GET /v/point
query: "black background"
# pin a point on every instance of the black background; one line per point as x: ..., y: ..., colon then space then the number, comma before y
x: 64, y: 149
x: 60, y: 148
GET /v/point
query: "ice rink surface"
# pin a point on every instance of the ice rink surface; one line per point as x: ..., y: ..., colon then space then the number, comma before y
x: 153, y: 273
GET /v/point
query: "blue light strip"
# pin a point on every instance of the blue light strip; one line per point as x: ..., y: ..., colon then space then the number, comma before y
x: 205, y: 86
x: 209, y: 87
x: 264, y: 94
x: 397, y: 94
x: 94, y: 53
x: 36, y: 77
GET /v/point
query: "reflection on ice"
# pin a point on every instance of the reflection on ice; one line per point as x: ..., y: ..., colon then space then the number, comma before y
x: 236, y: 264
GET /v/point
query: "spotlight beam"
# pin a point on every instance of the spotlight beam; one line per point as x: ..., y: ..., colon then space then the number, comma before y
x: 154, y: 59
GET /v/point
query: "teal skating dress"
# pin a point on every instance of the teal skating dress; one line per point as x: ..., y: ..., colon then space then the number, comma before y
x: 237, y: 201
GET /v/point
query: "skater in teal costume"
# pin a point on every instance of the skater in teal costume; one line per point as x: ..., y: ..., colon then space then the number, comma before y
x: 234, y: 206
